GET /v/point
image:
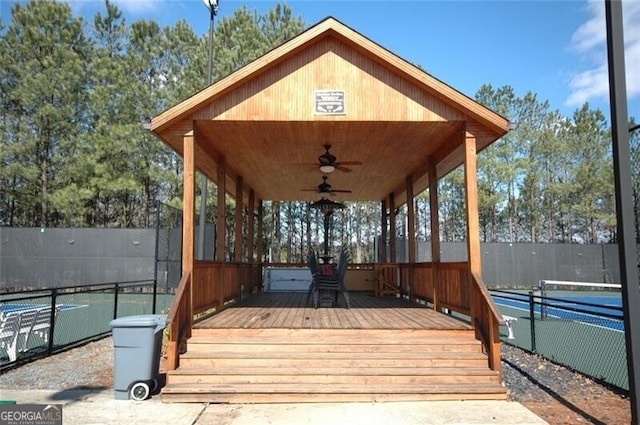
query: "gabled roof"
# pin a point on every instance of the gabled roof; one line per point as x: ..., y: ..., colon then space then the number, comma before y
x: 261, y: 118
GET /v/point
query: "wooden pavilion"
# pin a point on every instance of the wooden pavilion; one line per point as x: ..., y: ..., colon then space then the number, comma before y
x: 435, y: 335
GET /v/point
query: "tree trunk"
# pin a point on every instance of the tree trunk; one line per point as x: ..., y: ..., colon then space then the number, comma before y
x: 275, y: 239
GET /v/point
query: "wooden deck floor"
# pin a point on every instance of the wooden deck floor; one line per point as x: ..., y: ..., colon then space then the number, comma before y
x: 290, y: 310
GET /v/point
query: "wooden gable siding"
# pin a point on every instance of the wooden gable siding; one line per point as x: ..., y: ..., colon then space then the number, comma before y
x: 263, y: 113
x: 286, y: 91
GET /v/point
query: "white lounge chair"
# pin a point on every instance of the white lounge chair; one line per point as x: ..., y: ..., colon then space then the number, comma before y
x: 9, y: 333
x: 41, y: 324
x: 18, y: 327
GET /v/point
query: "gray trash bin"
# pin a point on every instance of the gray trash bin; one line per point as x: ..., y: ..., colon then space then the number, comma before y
x: 137, y: 343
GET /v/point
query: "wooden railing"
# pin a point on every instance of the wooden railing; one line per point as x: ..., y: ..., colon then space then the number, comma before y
x: 486, y: 320
x: 456, y: 289
x: 209, y: 289
x: 180, y: 320
x: 453, y: 290
x: 215, y: 284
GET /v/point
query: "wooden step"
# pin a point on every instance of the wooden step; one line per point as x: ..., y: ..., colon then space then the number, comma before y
x: 453, y: 360
x: 362, y: 376
x: 327, y: 371
x: 329, y: 336
x: 201, y: 344
x: 328, y: 365
x: 328, y: 357
x: 299, y: 393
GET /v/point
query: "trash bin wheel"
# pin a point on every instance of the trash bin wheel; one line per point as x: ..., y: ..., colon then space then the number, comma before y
x: 155, y: 384
x: 140, y: 391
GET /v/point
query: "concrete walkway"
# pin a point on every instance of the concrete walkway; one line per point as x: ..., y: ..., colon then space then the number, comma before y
x: 87, y: 407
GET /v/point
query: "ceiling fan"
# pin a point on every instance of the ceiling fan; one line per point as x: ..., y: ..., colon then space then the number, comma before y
x: 325, y: 189
x: 328, y: 162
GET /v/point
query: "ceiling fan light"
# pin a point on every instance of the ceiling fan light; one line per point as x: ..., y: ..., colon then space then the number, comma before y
x: 327, y: 168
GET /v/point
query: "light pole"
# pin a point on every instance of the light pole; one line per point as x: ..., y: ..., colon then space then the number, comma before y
x: 212, y: 5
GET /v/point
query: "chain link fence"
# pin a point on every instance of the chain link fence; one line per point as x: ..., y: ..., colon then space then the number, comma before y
x: 37, y: 323
x: 168, y: 224
x: 581, y: 330
x: 60, y: 314
x: 634, y: 147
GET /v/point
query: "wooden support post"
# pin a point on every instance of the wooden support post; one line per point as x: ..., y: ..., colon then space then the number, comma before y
x: 435, y: 230
x: 383, y: 234
x: 189, y: 213
x: 473, y: 221
x: 260, y: 236
x: 251, y: 249
x: 471, y: 193
x: 411, y: 221
x: 411, y: 234
x: 238, y: 251
x: 221, y: 217
x: 392, y: 229
x: 189, y: 204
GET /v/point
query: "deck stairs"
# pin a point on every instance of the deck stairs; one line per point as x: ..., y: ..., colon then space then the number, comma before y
x: 331, y: 365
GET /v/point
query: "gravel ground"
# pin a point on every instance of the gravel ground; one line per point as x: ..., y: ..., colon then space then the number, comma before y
x: 87, y: 366
x: 559, y: 395
x: 554, y: 393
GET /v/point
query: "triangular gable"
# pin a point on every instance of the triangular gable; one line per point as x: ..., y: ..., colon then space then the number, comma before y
x: 330, y: 27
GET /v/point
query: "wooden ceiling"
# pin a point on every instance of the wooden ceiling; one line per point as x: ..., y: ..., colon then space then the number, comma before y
x: 279, y: 159
x: 262, y: 120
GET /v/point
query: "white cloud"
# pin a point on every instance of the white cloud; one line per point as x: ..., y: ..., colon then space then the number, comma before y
x: 138, y: 6
x: 590, y: 40
x: 592, y: 33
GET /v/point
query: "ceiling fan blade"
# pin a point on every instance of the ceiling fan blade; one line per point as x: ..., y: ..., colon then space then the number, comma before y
x: 308, y: 166
x: 340, y: 191
x: 343, y: 169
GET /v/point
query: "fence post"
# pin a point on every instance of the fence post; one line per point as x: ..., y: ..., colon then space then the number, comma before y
x: 52, y: 320
x: 532, y: 321
x: 155, y: 258
x: 541, y: 292
x: 115, y: 301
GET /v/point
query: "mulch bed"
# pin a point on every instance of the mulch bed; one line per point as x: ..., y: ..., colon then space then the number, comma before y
x: 560, y: 395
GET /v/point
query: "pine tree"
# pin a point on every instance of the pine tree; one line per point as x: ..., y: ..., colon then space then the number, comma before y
x: 43, y: 88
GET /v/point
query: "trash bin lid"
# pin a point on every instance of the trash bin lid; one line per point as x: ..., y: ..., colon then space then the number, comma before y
x: 140, y: 321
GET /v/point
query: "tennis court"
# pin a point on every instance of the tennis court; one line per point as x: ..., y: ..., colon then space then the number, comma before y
x: 8, y: 308
x: 582, y: 329
x: 591, y: 309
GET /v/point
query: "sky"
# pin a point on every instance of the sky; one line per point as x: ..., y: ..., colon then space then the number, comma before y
x: 553, y: 48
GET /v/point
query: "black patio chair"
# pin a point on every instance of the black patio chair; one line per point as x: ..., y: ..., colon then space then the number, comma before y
x: 313, y: 268
x: 333, y: 283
